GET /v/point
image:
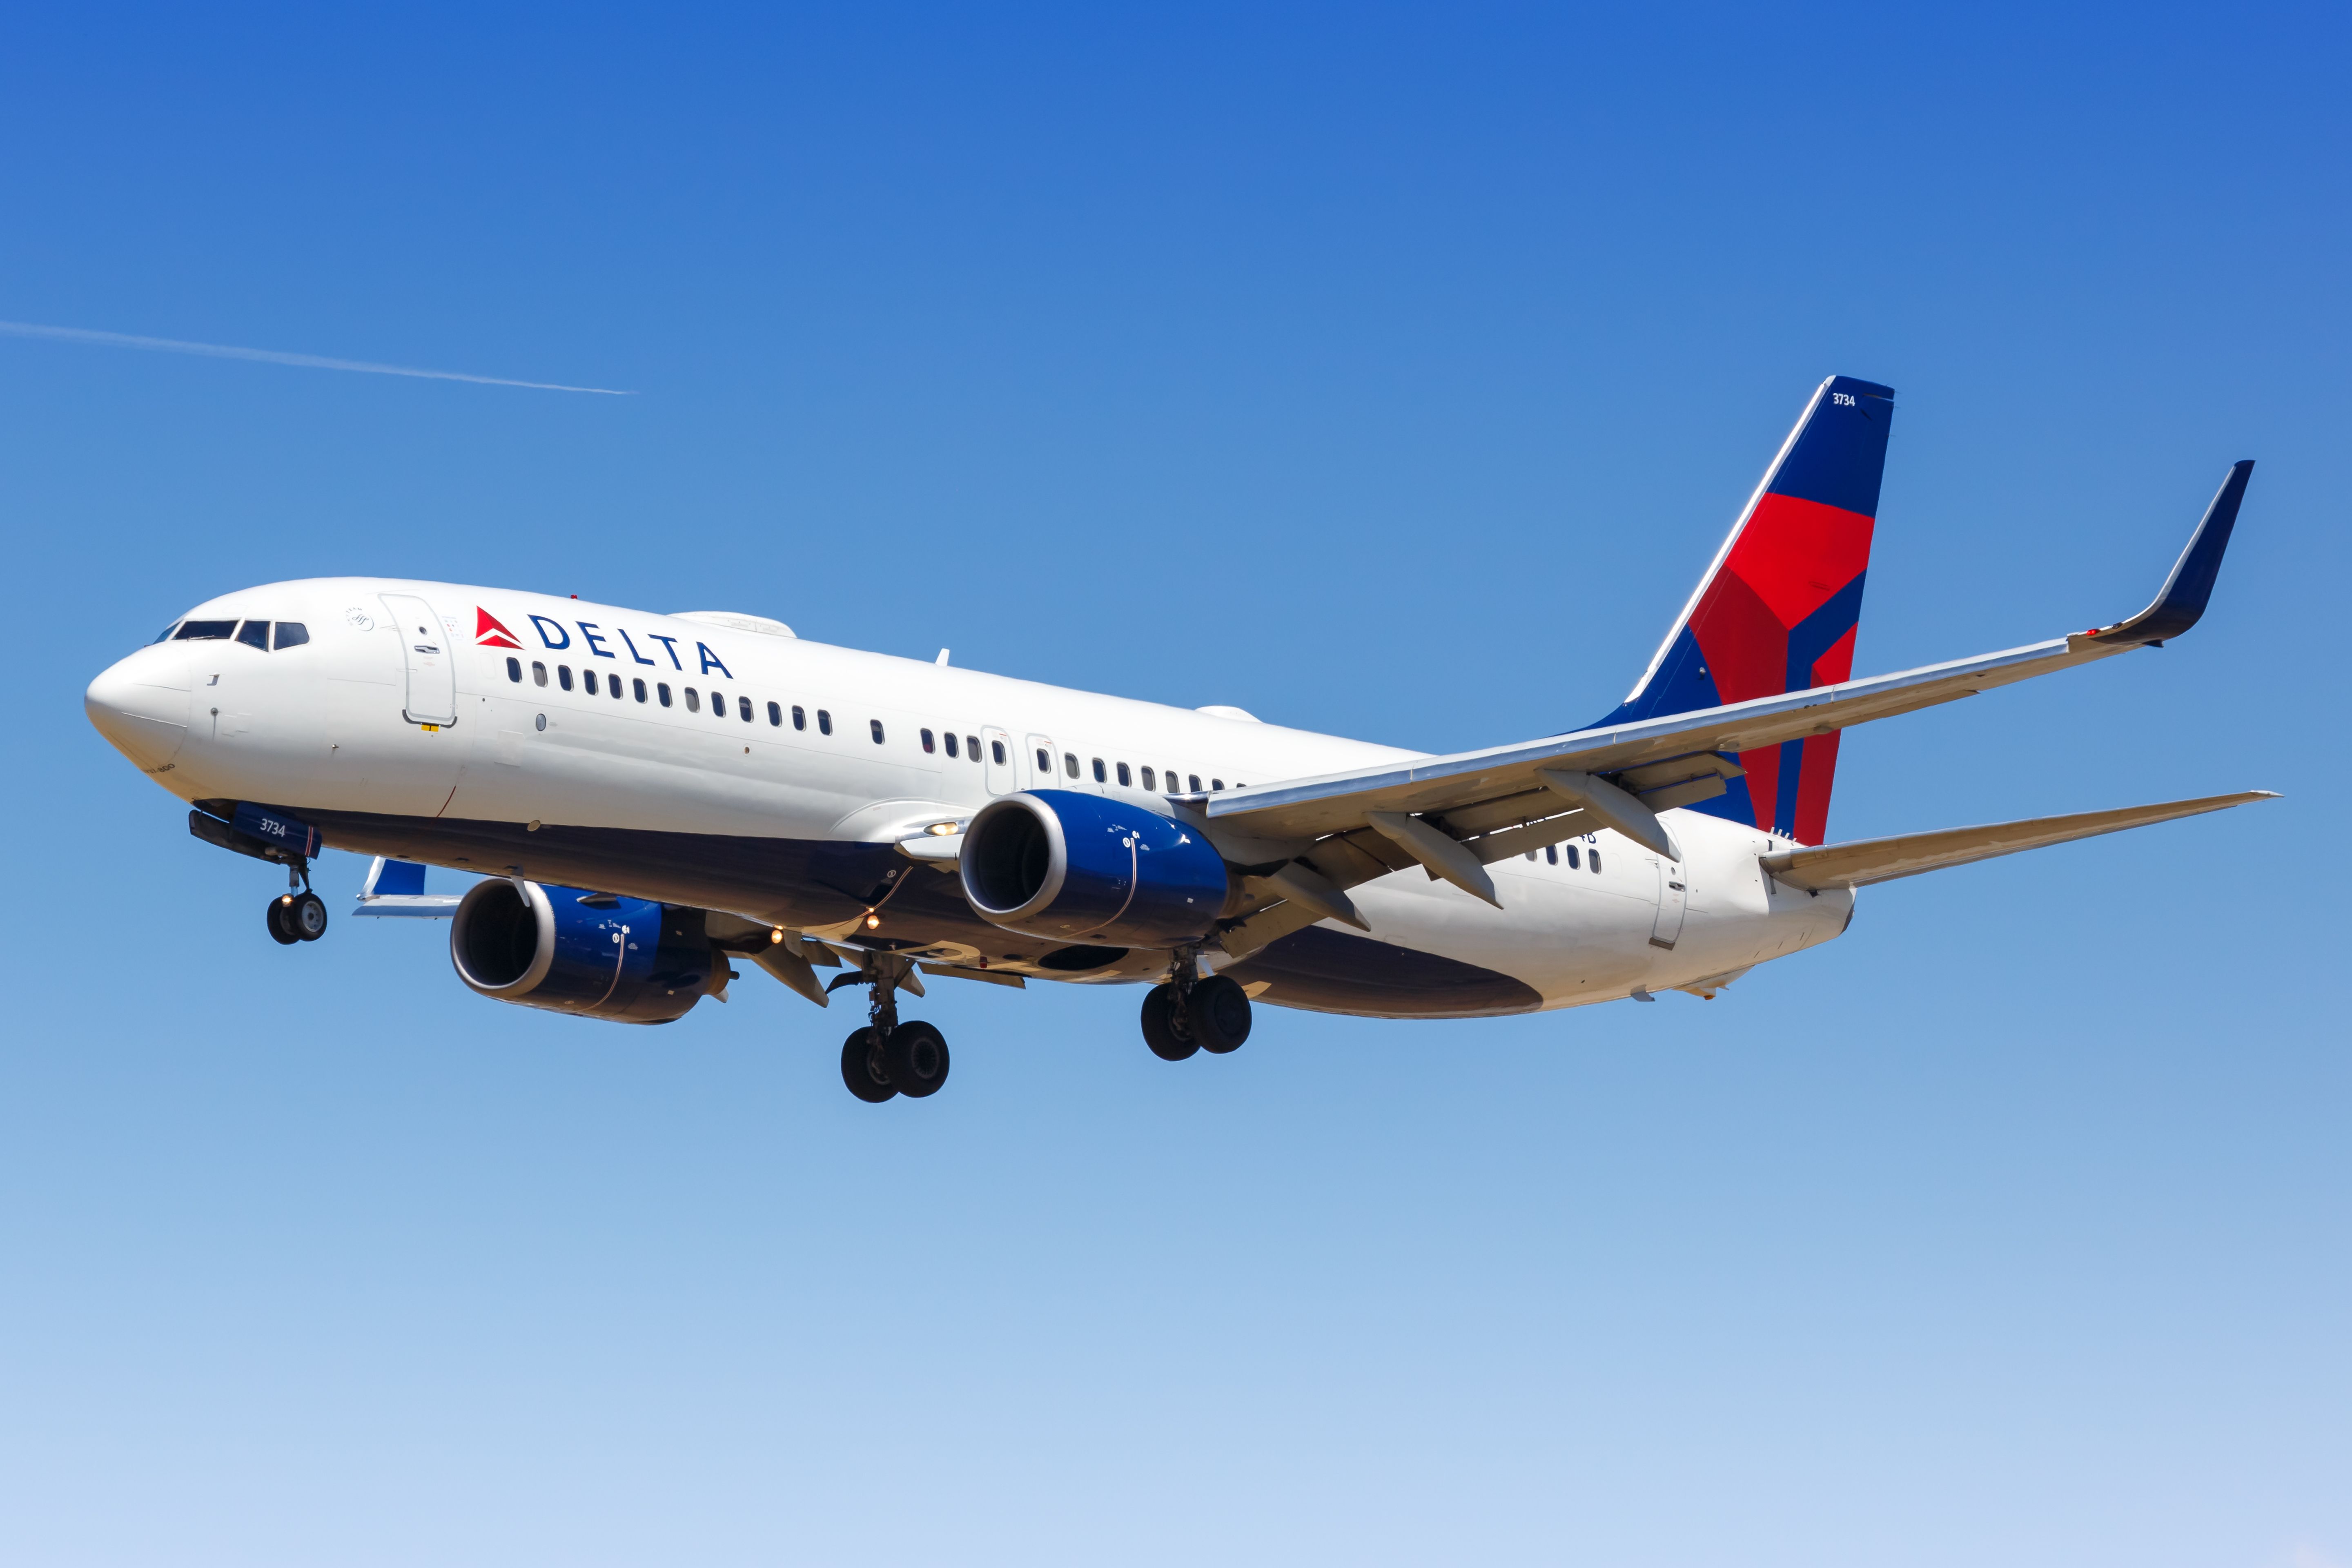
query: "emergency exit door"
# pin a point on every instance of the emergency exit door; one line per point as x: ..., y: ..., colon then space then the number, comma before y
x: 1002, y: 767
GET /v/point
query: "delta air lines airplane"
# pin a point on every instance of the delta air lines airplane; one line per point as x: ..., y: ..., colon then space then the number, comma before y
x: 648, y: 798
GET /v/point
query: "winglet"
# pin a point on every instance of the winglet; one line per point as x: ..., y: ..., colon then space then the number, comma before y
x: 2181, y: 601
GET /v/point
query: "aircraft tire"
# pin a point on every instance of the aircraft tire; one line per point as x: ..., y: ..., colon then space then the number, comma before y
x: 306, y: 917
x: 917, y: 1057
x: 1163, y: 1026
x: 279, y: 932
x: 862, y: 1068
x: 1219, y: 1012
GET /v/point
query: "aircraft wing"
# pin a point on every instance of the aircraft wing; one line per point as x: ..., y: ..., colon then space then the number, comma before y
x: 1454, y: 815
x: 1868, y: 860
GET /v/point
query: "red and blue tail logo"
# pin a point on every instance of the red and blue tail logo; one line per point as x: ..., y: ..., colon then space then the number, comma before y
x: 1776, y: 611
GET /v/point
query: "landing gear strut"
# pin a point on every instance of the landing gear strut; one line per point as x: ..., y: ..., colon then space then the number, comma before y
x: 1185, y: 1014
x: 888, y: 1057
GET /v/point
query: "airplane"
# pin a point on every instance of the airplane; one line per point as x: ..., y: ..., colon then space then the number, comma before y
x: 648, y: 799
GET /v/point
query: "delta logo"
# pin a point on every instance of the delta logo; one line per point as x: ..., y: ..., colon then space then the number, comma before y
x: 490, y: 633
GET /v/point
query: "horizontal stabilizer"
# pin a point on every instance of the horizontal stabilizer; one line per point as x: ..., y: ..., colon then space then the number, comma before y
x: 1869, y: 860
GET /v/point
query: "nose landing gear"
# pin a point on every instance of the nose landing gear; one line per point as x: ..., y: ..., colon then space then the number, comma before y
x: 298, y: 917
x: 887, y: 1058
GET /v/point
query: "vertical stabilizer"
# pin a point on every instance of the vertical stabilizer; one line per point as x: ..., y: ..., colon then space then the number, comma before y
x: 1779, y: 607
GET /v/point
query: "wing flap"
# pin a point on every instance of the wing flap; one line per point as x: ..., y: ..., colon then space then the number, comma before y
x: 1868, y: 860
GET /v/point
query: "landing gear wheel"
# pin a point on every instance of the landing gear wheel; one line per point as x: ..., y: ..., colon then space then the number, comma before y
x: 863, y: 1069
x: 918, y: 1054
x: 1219, y: 1012
x: 307, y: 916
x: 280, y: 931
x: 1164, y: 1027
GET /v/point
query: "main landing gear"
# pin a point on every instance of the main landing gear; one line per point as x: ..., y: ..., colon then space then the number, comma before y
x: 1182, y: 1015
x: 888, y: 1057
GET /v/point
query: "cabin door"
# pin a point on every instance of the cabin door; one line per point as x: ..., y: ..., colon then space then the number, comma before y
x: 1667, y: 929
x: 432, y: 662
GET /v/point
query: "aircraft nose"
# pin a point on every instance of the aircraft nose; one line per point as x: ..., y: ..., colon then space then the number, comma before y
x: 140, y: 705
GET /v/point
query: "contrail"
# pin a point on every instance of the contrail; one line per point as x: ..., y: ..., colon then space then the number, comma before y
x: 271, y: 356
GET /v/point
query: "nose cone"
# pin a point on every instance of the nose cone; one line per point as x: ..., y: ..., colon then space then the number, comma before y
x: 140, y: 705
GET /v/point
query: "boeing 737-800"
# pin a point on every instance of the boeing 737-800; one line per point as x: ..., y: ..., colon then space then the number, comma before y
x: 648, y: 797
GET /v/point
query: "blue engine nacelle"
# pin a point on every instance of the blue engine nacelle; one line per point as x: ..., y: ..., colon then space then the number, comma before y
x: 574, y: 952
x: 1055, y: 863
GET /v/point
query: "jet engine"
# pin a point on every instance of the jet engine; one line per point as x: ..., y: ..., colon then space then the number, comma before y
x: 1069, y: 868
x: 570, y: 951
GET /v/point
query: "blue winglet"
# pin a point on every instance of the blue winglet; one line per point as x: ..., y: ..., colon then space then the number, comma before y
x: 2181, y: 601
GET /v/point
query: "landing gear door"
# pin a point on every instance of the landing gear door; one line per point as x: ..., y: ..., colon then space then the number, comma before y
x: 424, y: 647
x: 1003, y: 767
x: 1667, y: 929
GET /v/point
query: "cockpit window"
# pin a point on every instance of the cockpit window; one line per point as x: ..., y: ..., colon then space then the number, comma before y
x: 255, y: 634
x: 206, y: 631
x: 165, y: 635
x: 293, y: 634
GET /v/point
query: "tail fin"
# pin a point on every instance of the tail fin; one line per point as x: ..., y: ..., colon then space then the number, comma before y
x: 1779, y: 607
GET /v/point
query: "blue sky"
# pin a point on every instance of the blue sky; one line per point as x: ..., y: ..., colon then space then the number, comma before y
x: 1382, y: 371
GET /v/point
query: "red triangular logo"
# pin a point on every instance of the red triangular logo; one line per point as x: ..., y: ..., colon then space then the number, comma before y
x: 488, y: 633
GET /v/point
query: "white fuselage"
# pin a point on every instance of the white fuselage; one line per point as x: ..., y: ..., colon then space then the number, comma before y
x: 679, y: 803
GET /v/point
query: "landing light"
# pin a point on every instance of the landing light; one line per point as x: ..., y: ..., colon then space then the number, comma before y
x: 775, y: 936
x: 941, y: 829
x: 873, y: 922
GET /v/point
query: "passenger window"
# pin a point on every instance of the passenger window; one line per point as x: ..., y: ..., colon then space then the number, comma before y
x: 970, y: 747
x: 1596, y: 859
x: 719, y: 705
x: 1151, y: 779
x: 823, y: 721
x: 613, y: 685
x: 1044, y: 761
x: 588, y: 681
x: 1531, y: 857
x: 661, y: 692
x: 1102, y: 774
x: 514, y: 670
x: 537, y: 673
x: 206, y: 631
x: 926, y: 742
x: 1216, y: 784
x: 1196, y: 782
x: 1571, y: 857
x: 1070, y: 764
x: 293, y: 634
x: 1124, y: 778
x: 1551, y: 854
x: 564, y: 675
x: 693, y: 701
x: 996, y: 749
x: 800, y: 716
x: 743, y: 709
x: 950, y: 738
x: 637, y: 687
x: 875, y: 725
x: 255, y: 634
x: 775, y: 717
